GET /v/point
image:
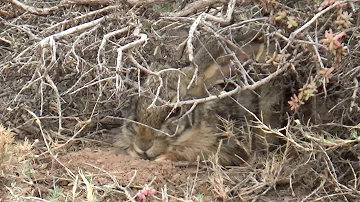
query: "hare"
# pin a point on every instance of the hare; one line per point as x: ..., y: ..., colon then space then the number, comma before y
x: 186, y: 133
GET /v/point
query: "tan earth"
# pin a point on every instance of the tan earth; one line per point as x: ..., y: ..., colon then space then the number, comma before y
x: 108, y: 167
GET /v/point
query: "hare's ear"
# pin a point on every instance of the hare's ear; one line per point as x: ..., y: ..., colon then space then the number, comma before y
x: 212, y: 74
x: 216, y: 72
x: 197, y: 88
x: 260, y: 51
x: 208, y: 77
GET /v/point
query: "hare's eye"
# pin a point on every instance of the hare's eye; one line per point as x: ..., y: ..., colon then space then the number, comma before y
x: 225, y: 87
x: 175, y: 112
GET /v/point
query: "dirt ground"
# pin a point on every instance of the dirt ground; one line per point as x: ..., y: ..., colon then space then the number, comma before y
x: 195, y: 182
x: 110, y: 168
x: 171, y: 178
x: 69, y: 72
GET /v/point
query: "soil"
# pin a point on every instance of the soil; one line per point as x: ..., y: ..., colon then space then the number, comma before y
x: 104, y: 164
x: 178, y: 181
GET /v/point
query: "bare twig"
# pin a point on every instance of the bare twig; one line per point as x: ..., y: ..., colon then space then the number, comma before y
x: 113, y: 178
x: 38, y: 122
x: 4, y: 42
x: 226, y: 19
x: 354, y: 105
x: 88, y: 2
x: 147, y: 2
x: 232, y: 92
x: 190, y: 48
x: 196, y: 6
x: 101, y: 51
x: 205, y: 16
x: 321, y: 186
x: 33, y: 10
x: 79, y: 18
x: 77, y: 29
x: 129, y: 46
x: 156, y: 74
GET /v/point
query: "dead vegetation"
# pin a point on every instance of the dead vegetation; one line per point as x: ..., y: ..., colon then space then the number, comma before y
x: 70, y: 68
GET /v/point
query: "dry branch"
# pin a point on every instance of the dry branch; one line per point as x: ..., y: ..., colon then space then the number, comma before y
x: 101, y: 51
x: 147, y: 2
x: 119, y: 61
x: 33, y: 10
x: 7, y: 14
x: 88, y: 2
x: 79, y: 18
x: 233, y: 92
x: 76, y: 29
x: 193, y: 28
x: 196, y: 6
x: 4, y: 42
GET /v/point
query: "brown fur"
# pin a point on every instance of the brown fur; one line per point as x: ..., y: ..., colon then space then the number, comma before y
x: 198, y: 134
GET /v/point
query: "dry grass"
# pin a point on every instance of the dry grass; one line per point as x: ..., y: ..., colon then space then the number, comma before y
x: 16, y: 159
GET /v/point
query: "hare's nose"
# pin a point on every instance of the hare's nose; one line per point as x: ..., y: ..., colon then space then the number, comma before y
x: 143, y: 144
x: 142, y: 148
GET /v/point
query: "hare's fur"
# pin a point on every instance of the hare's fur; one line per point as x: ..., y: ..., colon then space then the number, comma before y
x: 190, y: 140
x: 158, y: 133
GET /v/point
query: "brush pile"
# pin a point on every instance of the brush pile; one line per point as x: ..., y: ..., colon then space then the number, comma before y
x: 69, y: 68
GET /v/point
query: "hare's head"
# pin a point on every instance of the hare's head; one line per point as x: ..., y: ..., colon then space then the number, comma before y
x: 148, y: 140
x: 154, y: 129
